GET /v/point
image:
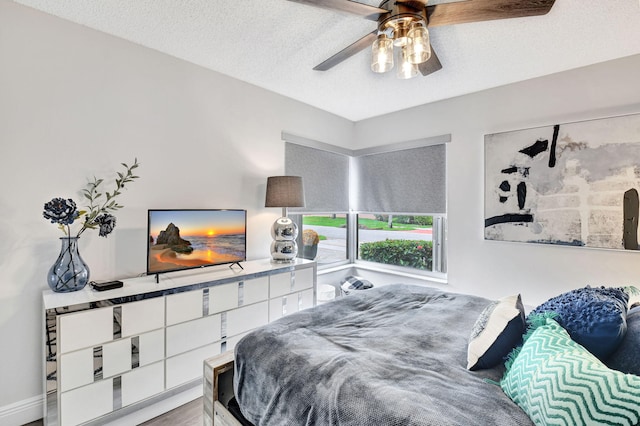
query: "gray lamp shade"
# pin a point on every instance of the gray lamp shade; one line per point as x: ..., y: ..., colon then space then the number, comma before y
x: 284, y: 191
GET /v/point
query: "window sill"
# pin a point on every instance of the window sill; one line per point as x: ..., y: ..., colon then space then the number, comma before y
x: 329, y: 269
x: 392, y: 271
x: 427, y: 279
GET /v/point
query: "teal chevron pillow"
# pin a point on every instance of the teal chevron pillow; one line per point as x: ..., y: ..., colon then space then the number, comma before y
x: 556, y: 381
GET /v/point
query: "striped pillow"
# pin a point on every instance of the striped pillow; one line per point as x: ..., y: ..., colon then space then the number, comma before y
x: 558, y: 382
x: 497, y: 331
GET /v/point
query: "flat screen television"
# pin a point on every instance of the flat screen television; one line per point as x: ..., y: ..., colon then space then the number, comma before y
x: 188, y: 239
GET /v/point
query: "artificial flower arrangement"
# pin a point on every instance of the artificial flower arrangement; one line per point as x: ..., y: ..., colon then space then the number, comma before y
x: 97, y: 215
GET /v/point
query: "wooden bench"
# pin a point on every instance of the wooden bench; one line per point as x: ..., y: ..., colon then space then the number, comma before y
x: 218, y: 390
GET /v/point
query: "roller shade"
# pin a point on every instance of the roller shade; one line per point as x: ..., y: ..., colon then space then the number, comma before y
x: 410, y: 181
x: 325, y: 175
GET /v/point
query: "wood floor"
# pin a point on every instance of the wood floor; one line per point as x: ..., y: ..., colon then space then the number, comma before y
x: 189, y: 414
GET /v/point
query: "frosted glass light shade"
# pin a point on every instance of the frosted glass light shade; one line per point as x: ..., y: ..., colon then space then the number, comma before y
x: 418, y: 48
x: 382, y: 54
x: 401, y: 34
x: 406, y: 69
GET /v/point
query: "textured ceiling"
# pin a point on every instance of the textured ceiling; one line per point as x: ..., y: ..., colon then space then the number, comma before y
x: 274, y: 44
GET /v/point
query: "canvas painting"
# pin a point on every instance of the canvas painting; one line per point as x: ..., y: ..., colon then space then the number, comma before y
x: 571, y: 184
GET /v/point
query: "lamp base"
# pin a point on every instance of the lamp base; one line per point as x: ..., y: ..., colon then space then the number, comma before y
x: 284, y: 247
x: 284, y: 251
x: 283, y: 262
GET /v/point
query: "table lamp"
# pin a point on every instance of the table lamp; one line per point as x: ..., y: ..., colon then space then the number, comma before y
x: 284, y: 191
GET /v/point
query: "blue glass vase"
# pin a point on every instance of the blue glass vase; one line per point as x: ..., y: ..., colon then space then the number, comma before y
x: 69, y: 272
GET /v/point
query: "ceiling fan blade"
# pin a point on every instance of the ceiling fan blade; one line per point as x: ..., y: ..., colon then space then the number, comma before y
x: 348, y: 51
x: 432, y: 65
x: 366, y: 11
x: 485, y: 10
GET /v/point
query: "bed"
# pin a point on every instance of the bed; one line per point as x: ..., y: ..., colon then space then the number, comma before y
x: 393, y: 355
x: 397, y: 355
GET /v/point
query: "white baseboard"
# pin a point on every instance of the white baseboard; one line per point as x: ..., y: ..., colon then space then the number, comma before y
x: 21, y: 412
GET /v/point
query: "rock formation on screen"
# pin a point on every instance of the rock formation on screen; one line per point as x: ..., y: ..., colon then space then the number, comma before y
x: 171, y: 237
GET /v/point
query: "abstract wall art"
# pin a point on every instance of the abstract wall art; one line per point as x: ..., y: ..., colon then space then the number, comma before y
x: 572, y: 184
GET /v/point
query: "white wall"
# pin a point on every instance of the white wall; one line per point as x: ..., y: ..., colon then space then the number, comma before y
x: 75, y: 102
x: 495, y: 269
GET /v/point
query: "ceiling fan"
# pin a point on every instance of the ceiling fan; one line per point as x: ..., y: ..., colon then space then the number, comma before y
x: 403, y: 24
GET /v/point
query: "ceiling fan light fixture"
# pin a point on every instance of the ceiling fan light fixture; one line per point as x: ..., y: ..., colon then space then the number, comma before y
x: 396, y: 18
x: 382, y: 54
x: 419, y: 48
x: 405, y: 25
x: 400, y: 34
x: 406, y: 69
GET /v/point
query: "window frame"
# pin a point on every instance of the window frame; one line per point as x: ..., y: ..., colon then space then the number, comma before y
x: 438, y: 238
x: 438, y: 274
x: 353, y: 178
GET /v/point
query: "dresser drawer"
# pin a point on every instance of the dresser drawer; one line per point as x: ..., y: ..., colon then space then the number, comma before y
x: 223, y: 297
x: 86, y: 403
x: 188, y: 366
x: 280, y: 284
x: 184, y: 306
x: 142, y: 383
x: 151, y: 347
x: 303, y: 278
x: 192, y: 334
x: 255, y: 290
x: 129, y: 353
x: 85, y: 329
x: 305, y: 299
x: 294, y: 302
x: 116, y: 357
x: 247, y: 318
x: 143, y: 316
x: 76, y: 369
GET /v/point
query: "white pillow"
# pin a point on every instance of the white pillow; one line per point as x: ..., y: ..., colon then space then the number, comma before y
x: 498, y: 329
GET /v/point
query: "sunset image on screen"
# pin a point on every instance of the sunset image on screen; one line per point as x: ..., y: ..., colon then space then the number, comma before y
x: 180, y: 239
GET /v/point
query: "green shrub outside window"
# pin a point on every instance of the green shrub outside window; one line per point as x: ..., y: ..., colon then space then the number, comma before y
x: 410, y: 253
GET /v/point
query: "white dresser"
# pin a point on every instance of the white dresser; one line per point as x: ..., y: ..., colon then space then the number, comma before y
x: 110, y: 353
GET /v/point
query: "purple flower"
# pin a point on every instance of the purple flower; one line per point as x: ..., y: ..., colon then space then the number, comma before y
x: 61, y: 211
x: 107, y: 222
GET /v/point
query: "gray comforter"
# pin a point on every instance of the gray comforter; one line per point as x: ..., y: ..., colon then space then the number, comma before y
x: 393, y: 355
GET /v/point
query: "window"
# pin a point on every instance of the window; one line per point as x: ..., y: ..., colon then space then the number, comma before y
x: 401, y: 179
x: 325, y: 173
x: 323, y: 237
x: 353, y: 199
x: 406, y: 241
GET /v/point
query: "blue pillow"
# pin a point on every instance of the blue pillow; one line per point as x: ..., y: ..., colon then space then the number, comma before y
x: 594, y: 317
x: 496, y: 332
x: 627, y: 357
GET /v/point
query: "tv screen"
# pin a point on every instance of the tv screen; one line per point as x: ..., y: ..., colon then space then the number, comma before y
x: 186, y: 239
